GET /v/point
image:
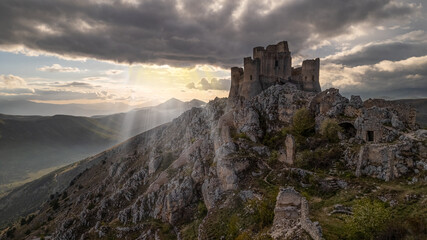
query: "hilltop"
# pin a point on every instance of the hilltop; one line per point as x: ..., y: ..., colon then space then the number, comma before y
x: 284, y: 161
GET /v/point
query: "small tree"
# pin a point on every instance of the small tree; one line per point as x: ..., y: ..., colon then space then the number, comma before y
x: 330, y: 129
x: 303, y: 122
x: 369, y: 218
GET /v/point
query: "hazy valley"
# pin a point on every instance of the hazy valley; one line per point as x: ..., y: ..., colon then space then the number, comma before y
x: 32, y: 146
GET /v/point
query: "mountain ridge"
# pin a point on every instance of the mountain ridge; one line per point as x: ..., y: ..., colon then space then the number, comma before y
x: 219, y: 171
x: 32, y: 143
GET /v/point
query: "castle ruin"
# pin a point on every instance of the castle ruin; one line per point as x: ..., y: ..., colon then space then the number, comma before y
x: 270, y: 66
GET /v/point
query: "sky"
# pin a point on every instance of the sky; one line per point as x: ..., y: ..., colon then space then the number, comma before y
x: 141, y: 52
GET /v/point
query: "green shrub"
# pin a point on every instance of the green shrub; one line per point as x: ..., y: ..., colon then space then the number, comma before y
x: 233, y: 227
x: 201, y: 209
x: 274, y: 157
x: 320, y: 158
x: 330, y: 129
x: 241, y: 135
x: 303, y: 123
x: 244, y: 236
x: 370, y: 217
x: 263, y: 212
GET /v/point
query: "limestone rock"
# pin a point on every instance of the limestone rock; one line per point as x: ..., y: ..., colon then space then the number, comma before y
x: 356, y: 101
x: 154, y: 163
x: 290, y: 149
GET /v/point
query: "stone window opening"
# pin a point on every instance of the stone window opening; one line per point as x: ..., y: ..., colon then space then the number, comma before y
x: 370, y: 136
x: 312, y: 78
x: 250, y: 77
x: 276, y: 63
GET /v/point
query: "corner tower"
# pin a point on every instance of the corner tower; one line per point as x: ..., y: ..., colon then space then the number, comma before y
x: 310, y: 75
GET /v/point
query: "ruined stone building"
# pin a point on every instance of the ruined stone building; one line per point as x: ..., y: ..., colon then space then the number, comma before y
x: 270, y: 66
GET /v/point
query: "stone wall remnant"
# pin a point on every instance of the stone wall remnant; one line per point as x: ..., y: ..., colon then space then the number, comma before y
x: 291, y: 217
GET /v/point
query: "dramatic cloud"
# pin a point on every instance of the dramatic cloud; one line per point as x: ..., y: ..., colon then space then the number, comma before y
x: 183, y: 32
x: 392, y: 79
x: 412, y: 44
x: 58, y: 68
x: 11, y: 84
x: 204, y: 84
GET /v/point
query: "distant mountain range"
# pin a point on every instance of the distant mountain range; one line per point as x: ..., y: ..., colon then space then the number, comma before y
x: 31, y: 146
x: 24, y: 107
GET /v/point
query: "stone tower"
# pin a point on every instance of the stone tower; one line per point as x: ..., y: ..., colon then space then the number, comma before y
x: 307, y: 76
x: 270, y: 66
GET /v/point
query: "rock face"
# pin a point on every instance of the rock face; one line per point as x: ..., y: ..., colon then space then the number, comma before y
x: 291, y: 217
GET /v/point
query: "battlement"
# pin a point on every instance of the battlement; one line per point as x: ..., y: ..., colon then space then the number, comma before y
x: 270, y: 66
x: 247, y: 60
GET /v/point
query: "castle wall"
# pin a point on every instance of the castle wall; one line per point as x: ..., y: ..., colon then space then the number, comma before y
x: 276, y: 62
x: 296, y: 76
x: 258, y: 52
x: 406, y: 113
x: 310, y: 75
x: 251, y: 85
x: 282, y: 46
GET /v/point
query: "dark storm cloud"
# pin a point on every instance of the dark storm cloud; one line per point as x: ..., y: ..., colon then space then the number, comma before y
x: 409, y: 45
x: 181, y: 33
x: 376, y: 53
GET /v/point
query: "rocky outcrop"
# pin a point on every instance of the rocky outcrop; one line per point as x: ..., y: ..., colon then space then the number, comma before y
x: 287, y: 155
x: 291, y: 217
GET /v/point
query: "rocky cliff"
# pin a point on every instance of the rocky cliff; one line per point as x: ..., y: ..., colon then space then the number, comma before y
x: 216, y: 173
